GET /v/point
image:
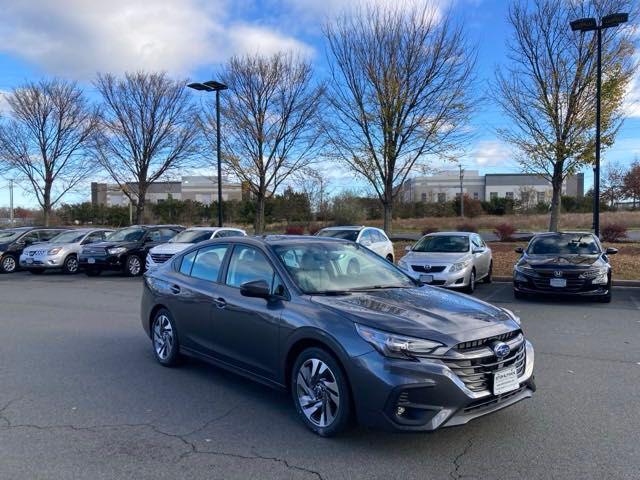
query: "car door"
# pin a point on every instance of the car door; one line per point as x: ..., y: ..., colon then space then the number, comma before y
x: 193, y: 287
x: 245, y: 329
x: 367, y: 239
x: 482, y: 259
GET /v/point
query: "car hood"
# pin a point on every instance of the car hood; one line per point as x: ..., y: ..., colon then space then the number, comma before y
x: 170, y: 248
x: 423, y: 312
x: 434, y: 258
x: 560, y: 261
x: 46, y: 245
x: 108, y: 244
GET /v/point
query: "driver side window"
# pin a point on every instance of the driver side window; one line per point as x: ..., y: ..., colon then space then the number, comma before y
x: 248, y: 265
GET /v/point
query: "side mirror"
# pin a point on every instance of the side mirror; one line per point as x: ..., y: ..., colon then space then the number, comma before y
x: 477, y: 250
x: 611, y: 251
x: 407, y: 248
x: 519, y: 250
x: 256, y: 288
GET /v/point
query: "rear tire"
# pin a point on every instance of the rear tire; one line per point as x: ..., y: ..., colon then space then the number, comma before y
x: 164, y: 338
x: 8, y: 263
x: 488, y: 278
x: 319, y: 383
x: 390, y: 258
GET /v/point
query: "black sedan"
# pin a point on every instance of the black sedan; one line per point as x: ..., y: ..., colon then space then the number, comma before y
x: 564, y: 264
x: 125, y: 250
x: 286, y: 311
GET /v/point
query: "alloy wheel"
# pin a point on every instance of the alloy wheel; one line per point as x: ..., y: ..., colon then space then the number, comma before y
x: 8, y: 264
x: 72, y: 264
x: 317, y: 392
x: 133, y: 265
x: 162, y: 337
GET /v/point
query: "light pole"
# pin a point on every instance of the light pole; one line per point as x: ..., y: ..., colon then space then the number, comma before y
x: 461, y: 191
x: 213, y: 86
x: 587, y: 25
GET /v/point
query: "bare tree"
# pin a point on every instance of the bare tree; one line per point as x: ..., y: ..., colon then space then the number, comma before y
x: 148, y: 128
x: 269, y: 122
x: 314, y: 185
x: 46, y: 137
x: 612, y: 183
x: 548, y: 89
x: 400, y: 93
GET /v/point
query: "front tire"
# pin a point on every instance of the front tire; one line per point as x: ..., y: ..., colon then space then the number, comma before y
x: 133, y: 266
x: 321, y: 392
x: 164, y: 338
x: 472, y: 282
x: 8, y: 264
x: 71, y: 265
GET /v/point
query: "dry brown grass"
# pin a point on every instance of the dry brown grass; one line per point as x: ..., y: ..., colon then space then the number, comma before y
x: 521, y: 222
x: 626, y: 264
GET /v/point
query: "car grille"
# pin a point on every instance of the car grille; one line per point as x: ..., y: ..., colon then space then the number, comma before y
x: 492, y: 400
x: 94, y: 251
x: 505, y: 337
x: 543, y: 281
x: 161, y: 257
x: 431, y: 269
x: 37, y: 252
x: 476, y: 367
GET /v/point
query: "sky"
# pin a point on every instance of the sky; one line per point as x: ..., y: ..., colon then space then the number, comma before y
x: 74, y: 39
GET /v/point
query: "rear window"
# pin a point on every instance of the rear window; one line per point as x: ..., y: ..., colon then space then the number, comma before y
x: 351, y: 235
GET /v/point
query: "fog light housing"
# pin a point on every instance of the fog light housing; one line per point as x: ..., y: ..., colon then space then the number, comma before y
x: 400, y: 411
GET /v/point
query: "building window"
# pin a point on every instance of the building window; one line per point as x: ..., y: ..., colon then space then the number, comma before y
x: 442, y: 197
x: 493, y: 195
x: 509, y: 195
x: 423, y: 197
x: 524, y: 196
x: 476, y: 195
x: 541, y: 197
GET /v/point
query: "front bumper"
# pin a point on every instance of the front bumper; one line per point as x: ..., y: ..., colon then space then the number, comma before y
x: 101, y: 262
x: 428, y: 393
x: 459, y: 279
x: 533, y: 284
x: 42, y: 261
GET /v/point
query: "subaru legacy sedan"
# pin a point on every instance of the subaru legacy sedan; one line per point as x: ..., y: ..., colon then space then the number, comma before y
x: 564, y: 263
x: 377, y: 346
x: 449, y: 259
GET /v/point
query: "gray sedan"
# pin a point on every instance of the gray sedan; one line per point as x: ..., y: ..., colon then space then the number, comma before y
x: 61, y: 252
x: 449, y: 259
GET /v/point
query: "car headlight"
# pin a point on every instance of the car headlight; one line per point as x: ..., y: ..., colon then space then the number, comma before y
x: 116, y: 250
x: 524, y: 268
x: 597, y: 272
x: 397, y: 346
x: 54, y: 251
x: 403, y: 265
x: 456, y: 267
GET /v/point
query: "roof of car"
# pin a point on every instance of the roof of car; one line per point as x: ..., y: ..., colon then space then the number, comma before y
x: 155, y: 226
x: 215, y: 229
x: 460, y: 234
x: 346, y: 227
x: 550, y: 234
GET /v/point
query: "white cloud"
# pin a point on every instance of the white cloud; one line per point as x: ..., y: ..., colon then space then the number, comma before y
x: 76, y: 38
x: 4, y: 105
x: 491, y: 153
x: 631, y: 106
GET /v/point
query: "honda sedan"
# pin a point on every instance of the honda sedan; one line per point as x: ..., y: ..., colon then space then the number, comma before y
x: 377, y: 346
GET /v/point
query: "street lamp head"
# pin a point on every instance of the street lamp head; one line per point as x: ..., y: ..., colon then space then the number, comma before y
x: 584, y: 24
x: 614, y: 20
x: 210, y: 86
x: 198, y: 86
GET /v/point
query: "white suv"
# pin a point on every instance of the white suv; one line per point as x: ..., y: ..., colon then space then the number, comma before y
x: 161, y: 253
x: 372, y: 238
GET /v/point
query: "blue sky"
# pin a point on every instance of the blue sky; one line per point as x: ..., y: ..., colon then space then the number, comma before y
x: 190, y: 38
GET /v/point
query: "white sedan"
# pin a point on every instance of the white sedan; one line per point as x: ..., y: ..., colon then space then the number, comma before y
x: 161, y: 253
x: 372, y: 238
x: 449, y: 259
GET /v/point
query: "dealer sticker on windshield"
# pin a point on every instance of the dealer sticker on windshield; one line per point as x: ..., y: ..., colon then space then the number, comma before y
x: 505, y: 380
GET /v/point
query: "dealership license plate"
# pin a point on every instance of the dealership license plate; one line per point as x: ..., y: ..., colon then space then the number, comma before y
x: 91, y: 260
x: 505, y: 380
x: 426, y: 278
x: 558, y: 282
x: 29, y: 260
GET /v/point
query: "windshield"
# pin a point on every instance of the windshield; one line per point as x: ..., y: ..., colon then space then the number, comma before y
x: 564, y: 244
x: 339, y: 268
x: 68, y: 237
x: 350, y: 235
x: 10, y: 235
x: 131, y: 234
x: 192, y: 236
x: 442, y: 244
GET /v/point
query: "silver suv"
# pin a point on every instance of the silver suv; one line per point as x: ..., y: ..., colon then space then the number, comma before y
x: 61, y: 252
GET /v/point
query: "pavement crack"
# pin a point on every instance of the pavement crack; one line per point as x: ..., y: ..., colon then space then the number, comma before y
x: 457, y: 461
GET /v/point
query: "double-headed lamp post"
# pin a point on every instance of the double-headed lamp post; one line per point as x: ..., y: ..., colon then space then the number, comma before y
x: 587, y: 25
x: 213, y: 86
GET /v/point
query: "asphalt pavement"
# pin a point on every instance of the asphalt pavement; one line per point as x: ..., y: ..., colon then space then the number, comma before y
x: 81, y: 396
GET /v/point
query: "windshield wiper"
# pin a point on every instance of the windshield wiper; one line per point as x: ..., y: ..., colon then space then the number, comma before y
x: 377, y: 287
x: 329, y: 292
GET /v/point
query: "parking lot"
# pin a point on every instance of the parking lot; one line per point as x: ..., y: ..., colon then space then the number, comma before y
x: 81, y: 396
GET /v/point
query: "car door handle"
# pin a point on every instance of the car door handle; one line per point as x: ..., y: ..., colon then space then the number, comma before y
x: 175, y: 289
x: 220, y: 302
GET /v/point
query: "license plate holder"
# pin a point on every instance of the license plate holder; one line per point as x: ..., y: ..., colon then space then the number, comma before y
x: 91, y: 260
x: 29, y: 261
x: 426, y: 278
x: 505, y: 380
x: 558, y: 282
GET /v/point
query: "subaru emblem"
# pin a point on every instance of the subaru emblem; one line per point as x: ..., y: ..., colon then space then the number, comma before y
x: 557, y: 273
x: 501, y: 349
